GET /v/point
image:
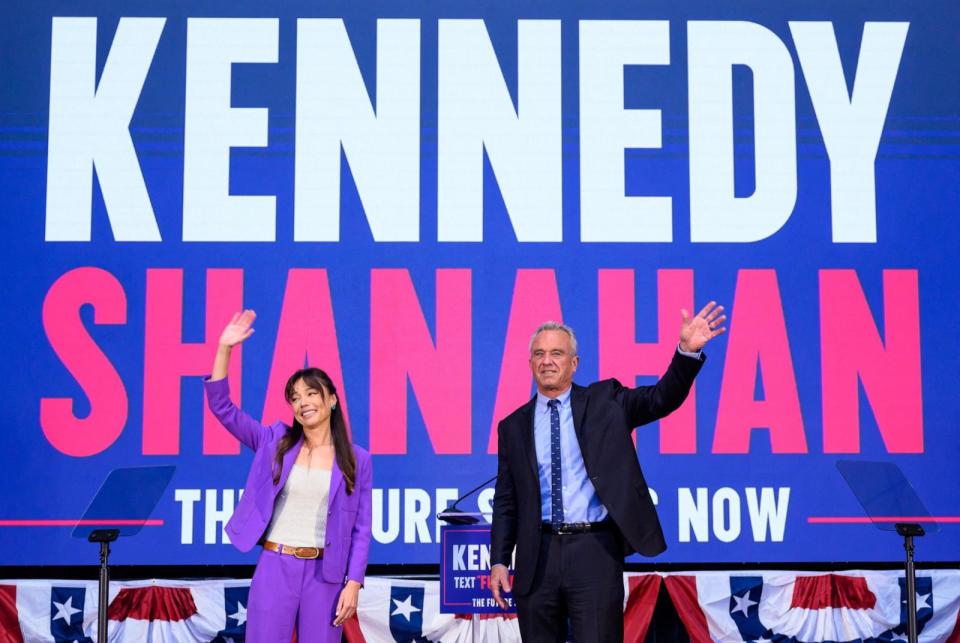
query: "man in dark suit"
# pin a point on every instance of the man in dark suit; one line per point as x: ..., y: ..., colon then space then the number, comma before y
x: 576, y: 440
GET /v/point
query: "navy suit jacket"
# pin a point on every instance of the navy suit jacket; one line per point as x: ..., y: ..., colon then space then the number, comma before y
x: 604, y: 416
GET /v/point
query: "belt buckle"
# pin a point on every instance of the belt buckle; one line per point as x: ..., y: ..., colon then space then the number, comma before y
x: 307, y: 553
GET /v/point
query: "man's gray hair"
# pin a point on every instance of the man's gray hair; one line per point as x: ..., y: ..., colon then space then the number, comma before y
x: 552, y: 325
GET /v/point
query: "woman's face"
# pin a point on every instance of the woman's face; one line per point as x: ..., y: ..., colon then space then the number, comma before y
x: 311, y: 406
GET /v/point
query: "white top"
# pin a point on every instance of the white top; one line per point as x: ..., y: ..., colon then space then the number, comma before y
x: 300, y: 512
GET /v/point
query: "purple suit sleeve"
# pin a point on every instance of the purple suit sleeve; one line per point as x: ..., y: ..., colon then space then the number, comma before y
x: 240, y: 425
x: 360, y: 538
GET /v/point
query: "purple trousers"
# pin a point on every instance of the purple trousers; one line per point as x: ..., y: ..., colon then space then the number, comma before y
x: 288, y: 592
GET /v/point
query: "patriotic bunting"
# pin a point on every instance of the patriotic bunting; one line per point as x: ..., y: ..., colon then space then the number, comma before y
x: 760, y: 607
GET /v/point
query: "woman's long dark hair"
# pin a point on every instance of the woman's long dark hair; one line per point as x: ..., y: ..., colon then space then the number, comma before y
x: 343, y: 450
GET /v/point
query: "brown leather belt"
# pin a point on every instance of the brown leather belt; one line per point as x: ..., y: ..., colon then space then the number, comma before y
x: 305, y: 553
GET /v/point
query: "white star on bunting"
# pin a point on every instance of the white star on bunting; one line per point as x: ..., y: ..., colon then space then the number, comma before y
x: 743, y: 603
x: 65, y: 610
x: 923, y: 601
x: 241, y: 614
x: 404, y: 607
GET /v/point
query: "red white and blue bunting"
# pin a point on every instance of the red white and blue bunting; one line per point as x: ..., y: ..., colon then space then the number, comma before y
x: 714, y: 606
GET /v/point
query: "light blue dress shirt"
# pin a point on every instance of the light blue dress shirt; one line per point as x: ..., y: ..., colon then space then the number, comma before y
x: 580, y: 501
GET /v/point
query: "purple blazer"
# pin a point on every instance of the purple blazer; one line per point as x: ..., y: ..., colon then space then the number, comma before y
x: 348, y: 515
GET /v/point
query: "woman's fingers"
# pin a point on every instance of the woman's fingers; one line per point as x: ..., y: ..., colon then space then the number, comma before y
x: 339, y: 613
x: 343, y: 615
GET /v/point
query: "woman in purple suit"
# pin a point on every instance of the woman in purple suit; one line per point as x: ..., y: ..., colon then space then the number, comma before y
x: 306, y: 501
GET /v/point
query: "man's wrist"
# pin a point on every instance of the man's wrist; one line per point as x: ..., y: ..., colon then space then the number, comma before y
x: 687, y: 352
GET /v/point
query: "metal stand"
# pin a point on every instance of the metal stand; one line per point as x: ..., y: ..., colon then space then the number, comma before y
x: 908, y: 530
x: 455, y: 516
x: 104, y: 537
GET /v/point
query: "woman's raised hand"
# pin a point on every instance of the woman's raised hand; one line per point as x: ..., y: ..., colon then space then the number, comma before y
x: 239, y: 328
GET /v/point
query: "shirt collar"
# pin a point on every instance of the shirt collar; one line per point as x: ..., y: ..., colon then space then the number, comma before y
x: 563, y: 398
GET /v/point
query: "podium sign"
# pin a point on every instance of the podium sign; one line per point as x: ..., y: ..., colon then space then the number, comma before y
x: 465, y: 570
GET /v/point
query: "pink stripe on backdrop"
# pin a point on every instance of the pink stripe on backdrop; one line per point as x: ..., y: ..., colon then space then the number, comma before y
x: 153, y: 522
x: 867, y: 519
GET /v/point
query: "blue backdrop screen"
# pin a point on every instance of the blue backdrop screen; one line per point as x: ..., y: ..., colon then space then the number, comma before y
x: 404, y: 191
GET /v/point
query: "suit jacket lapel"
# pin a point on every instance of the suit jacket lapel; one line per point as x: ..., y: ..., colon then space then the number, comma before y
x: 578, y: 405
x: 288, y: 459
x: 526, y: 436
x: 336, y: 482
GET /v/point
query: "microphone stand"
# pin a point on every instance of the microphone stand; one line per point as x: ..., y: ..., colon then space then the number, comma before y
x: 455, y: 516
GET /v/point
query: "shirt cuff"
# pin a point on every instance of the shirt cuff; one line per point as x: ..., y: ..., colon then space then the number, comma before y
x: 695, y: 355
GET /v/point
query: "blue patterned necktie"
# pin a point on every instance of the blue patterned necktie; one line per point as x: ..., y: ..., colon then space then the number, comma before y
x: 556, y: 476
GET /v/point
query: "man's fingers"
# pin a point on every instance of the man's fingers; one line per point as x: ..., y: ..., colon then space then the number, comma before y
x: 495, y: 590
x: 714, y: 314
x: 499, y: 580
x: 713, y: 323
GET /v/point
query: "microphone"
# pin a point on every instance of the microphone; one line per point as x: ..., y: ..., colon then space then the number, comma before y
x: 455, y: 516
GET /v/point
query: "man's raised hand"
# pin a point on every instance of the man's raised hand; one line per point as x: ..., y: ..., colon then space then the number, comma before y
x: 696, y: 331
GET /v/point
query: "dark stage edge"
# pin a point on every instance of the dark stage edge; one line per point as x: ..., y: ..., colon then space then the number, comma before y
x: 137, y: 572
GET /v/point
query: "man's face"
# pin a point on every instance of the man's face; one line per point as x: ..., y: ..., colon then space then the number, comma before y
x: 553, y: 362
